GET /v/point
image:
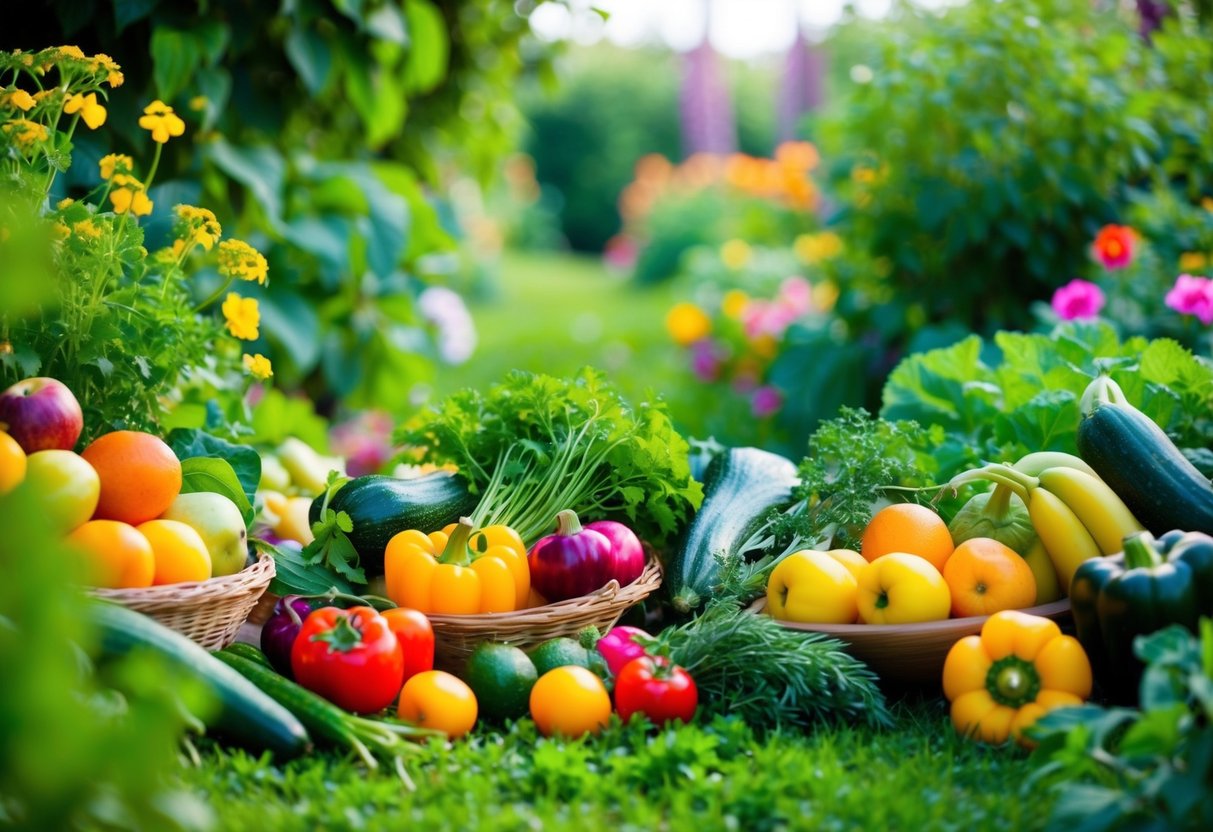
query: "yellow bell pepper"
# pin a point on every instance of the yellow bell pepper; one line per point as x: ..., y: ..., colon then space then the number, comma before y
x: 456, y: 572
x: 1020, y: 667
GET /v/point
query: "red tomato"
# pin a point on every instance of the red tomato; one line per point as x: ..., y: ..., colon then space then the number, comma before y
x: 416, y: 638
x: 350, y: 657
x: 651, y: 686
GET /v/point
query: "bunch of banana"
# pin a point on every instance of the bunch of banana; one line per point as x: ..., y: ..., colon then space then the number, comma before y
x: 1075, y: 514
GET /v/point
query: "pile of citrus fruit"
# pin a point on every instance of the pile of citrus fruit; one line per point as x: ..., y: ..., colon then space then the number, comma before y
x: 907, y: 570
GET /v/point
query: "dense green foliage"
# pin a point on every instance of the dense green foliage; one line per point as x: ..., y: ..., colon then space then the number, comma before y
x: 983, y: 147
x: 917, y: 776
x: 317, y: 126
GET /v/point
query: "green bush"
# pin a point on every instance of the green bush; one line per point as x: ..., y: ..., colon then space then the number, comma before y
x: 992, y: 141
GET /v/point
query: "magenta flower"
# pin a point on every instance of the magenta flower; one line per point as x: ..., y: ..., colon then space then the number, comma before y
x: 765, y: 401
x: 707, y: 358
x: 1077, y: 300
x: 1192, y: 296
x: 365, y: 442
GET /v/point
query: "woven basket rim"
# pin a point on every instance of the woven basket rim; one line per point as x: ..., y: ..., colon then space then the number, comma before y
x: 609, y: 596
x: 257, y: 576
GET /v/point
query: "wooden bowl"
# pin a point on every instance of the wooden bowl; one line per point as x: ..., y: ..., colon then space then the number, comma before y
x: 909, y: 653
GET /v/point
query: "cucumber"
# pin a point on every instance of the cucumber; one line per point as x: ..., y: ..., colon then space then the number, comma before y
x: 246, y: 715
x: 381, y: 507
x: 741, y: 487
x: 1142, y: 465
x: 322, y: 718
x: 247, y: 651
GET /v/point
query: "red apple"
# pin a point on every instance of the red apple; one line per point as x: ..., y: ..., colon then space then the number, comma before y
x: 41, y: 414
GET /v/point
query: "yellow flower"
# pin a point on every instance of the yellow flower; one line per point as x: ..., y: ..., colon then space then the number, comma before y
x: 1192, y: 261
x: 239, y: 259
x: 825, y: 295
x: 70, y: 52
x: 817, y: 248
x: 160, y: 119
x: 92, y: 112
x: 42, y: 95
x: 60, y: 230
x: 25, y: 133
x: 18, y: 98
x: 199, y: 102
x: 87, y: 229
x: 687, y: 323
x: 765, y: 346
x: 734, y: 303
x: 735, y: 254
x: 196, y: 226
x: 116, y: 163
x: 258, y: 366
x: 66, y: 202
x: 128, y: 195
x: 1207, y: 203
x: 113, y: 72
x: 242, y: 316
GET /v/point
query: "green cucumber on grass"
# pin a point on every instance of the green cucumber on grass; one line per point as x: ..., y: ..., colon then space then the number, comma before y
x: 246, y: 715
x: 381, y: 507
x: 1141, y: 464
x: 741, y: 487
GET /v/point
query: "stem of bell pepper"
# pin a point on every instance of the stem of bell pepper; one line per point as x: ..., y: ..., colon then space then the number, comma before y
x: 1140, y: 552
x: 567, y: 523
x: 456, y: 549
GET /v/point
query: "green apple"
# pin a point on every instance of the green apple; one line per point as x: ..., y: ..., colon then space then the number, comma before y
x: 66, y: 485
x: 219, y: 523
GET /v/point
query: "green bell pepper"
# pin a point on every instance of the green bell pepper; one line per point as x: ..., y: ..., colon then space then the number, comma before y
x: 1152, y: 584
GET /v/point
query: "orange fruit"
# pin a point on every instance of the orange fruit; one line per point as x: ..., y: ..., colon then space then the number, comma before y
x: 908, y: 528
x: 119, y: 556
x: 179, y: 552
x: 986, y: 577
x: 140, y: 475
x: 12, y: 463
x: 436, y: 699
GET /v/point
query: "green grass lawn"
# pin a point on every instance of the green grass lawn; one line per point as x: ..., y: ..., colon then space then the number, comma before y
x: 555, y: 313
x: 916, y: 776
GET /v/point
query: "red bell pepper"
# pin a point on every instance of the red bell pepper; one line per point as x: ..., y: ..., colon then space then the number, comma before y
x: 350, y: 657
x: 416, y: 638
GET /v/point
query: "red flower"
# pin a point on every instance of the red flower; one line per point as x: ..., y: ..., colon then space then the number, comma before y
x: 1114, y: 246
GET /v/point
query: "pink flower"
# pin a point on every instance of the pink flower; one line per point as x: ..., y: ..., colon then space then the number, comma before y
x: 763, y: 317
x: 765, y: 401
x: 621, y: 252
x: 1114, y: 245
x: 364, y: 441
x: 1192, y: 296
x: 796, y: 294
x: 706, y: 359
x: 1078, y: 299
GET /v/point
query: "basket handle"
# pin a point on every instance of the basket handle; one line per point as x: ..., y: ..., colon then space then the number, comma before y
x: 609, y: 591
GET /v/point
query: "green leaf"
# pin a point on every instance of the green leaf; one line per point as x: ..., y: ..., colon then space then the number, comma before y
x: 175, y: 57
x: 295, y: 577
x: 309, y: 53
x: 127, y: 12
x: 1047, y: 422
x: 261, y: 169
x: 429, y: 47
x: 204, y: 474
x: 243, y: 459
x: 387, y: 23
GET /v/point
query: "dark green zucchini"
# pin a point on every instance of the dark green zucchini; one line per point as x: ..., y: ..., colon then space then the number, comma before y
x: 741, y: 487
x: 382, y: 507
x: 1145, y: 469
x: 246, y: 715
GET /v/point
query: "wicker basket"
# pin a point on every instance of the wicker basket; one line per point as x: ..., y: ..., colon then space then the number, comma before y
x: 456, y: 636
x: 210, y: 612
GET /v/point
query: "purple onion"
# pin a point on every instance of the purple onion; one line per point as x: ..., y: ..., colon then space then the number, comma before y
x: 571, y: 563
x: 618, y: 648
x: 280, y: 630
x: 627, y: 555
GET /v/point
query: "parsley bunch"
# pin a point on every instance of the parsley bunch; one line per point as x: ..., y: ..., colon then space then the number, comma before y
x: 533, y: 445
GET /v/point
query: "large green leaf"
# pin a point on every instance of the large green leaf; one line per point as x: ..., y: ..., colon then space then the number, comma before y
x: 244, y: 461
x: 309, y: 53
x: 429, y: 46
x: 208, y: 474
x: 175, y: 57
x: 261, y: 169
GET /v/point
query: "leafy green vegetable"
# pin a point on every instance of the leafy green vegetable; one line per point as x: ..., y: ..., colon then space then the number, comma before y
x: 294, y: 575
x: 1021, y: 393
x: 243, y: 459
x: 331, y: 546
x: 534, y: 445
x: 1122, y: 768
x: 209, y: 474
x: 749, y: 666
